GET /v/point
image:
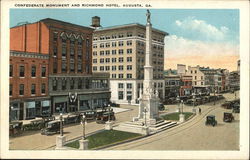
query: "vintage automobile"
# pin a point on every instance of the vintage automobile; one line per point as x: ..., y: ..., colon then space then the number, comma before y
x: 227, y: 105
x: 90, y: 115
x: 51, y: 127
x: 73, y: 118
x: 236, y: 108
x: 15, y: 128
x: 103, y: 117
x: 191, y: 102
x: 161, y: 107
x: 210, y: 120
x: 228, y: 117
x: 114, y: 104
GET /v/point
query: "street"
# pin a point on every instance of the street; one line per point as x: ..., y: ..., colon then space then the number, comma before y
x: 191, y: 135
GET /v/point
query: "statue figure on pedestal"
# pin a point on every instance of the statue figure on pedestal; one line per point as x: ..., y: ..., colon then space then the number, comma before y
x: 148, y: 16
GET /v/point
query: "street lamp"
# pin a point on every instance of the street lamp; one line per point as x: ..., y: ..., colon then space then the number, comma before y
x: 178, y: 99
x: 61, y: 125
x: 109, y: 112
x: 83, y: 127
x: 181, y: 106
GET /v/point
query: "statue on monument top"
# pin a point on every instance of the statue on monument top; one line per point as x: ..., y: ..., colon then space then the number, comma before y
x: 148, y: 16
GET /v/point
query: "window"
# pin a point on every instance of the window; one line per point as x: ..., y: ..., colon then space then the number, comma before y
x: 120, y: 43
x: 72, y: 52
x: 21, y: 71
x: 21, y: 89
x: 102, y: 45
x: 120, y: 51
x: 94, y: 45
x: 129, y: 43
x: 101, y: 53
x: 107, y: 60
x: 195, y: 71
x: 191, y: 71
x: 55, y: 66
x: 94, y: 68
x: 120, y: 75
x: 113, y: 68
x: 120, y: 59
x: 94, y: 60
x: 33, y: 89
x: 11, y: 71
x: 107, y: 37
x: 55, y: 50
x: 55, y: 36
x: 129, y: 59
x: 79, y: 66
x: 113, y: 75
x: 33, y: 71
x: 120, y: 68
x: 114, y: 36
x: 120, y: 95
x: 64, y: 84
x: 195, y: 77
x: 79, y: 42
x: 87, y: 42
x: 202, y: 83
x: 79, y: 83
x: 113, y: 60
x: 43, y: 71
x: 195, y: 83
x: 64, y: 66
x: 95, y: 39
x: 113, y: 52
x: 64, y: 50
x: 10, y: 89
x: 113, y: 44
x: 129, y: 67
x: 129, y: 85
x: 107, y: 52
x: 120, y: 35
x: 94, y: 53
x: 107, y: 68
x: 107, y: 45
x: 120, y: 85
x: 129, y: 75
x: 72, y: 67
x: 102, y: 38
x: 79, y: 53
x: 101, y: 68
x: 201, y: 77
x: 102, y: 60
x: 72, y: 84
x: 54, y: 85
x: 129, y: 51
x: 129, y: 34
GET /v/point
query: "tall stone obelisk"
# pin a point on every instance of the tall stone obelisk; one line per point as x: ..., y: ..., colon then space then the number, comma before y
x: 149, y: 101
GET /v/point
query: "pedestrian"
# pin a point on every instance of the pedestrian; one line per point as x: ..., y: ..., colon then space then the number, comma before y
x: 199, y: 110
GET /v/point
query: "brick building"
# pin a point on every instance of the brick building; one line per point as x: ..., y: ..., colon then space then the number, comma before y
x: 65, y: 49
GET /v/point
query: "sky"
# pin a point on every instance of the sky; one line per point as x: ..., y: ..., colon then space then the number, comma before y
x: 205, y: 37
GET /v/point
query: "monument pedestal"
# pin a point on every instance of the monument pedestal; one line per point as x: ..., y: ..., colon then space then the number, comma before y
x: 84, y: 143
x: 60, y: 140
x: 181, y: 118
x: 145, y: 130
x: 108, y: 125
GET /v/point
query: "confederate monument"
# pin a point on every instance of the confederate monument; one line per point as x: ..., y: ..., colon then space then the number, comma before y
x: 149, y: 100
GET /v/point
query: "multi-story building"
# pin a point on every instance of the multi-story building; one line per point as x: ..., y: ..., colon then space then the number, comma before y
x: 65, y: 51
x: 120, y: 51
x: 172, y: 85
x: 198, y: 78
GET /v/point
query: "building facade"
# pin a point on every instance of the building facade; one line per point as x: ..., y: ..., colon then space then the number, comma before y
x: 120, y: 51
x: 65, y: 49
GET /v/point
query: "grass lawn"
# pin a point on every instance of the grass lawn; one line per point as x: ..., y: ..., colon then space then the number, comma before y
x: 104, y: 138
x: 175, y: 116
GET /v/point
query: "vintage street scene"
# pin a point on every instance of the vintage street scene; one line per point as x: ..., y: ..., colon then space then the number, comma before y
x: 127, y: 79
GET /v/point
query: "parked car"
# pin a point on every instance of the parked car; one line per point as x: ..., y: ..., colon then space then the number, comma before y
x: 228, y: 117
x: 90, y: 115
x: 191, y: 102
x: 161, y: 107
x: 236, y: 108
x: 103, y: 117
x: 210, y: 120
x: 114, y: 105
x: 74, y: 118
x: 52, y: 127
x: 227, y: 105
x: 15, y: 128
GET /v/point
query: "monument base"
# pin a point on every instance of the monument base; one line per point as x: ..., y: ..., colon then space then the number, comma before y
x: 181, y: 118
x: 108, y: 125
x: 60, y: 141
x: 84, y: 143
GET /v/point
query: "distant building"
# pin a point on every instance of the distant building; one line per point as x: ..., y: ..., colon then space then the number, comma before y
x: 120, y: 51
x: 181, y: 69
x: 51, y: 59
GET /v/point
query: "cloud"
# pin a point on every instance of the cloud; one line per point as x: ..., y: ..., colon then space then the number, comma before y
x: 201, y: 30
x: 194, y: 52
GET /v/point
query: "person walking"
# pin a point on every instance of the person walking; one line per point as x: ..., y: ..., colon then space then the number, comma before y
x: 199, y: 110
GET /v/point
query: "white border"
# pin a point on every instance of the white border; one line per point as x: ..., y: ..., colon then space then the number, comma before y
x: 244, y: 93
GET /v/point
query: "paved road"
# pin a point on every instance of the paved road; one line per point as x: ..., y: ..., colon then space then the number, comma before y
x: 193, y: 134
